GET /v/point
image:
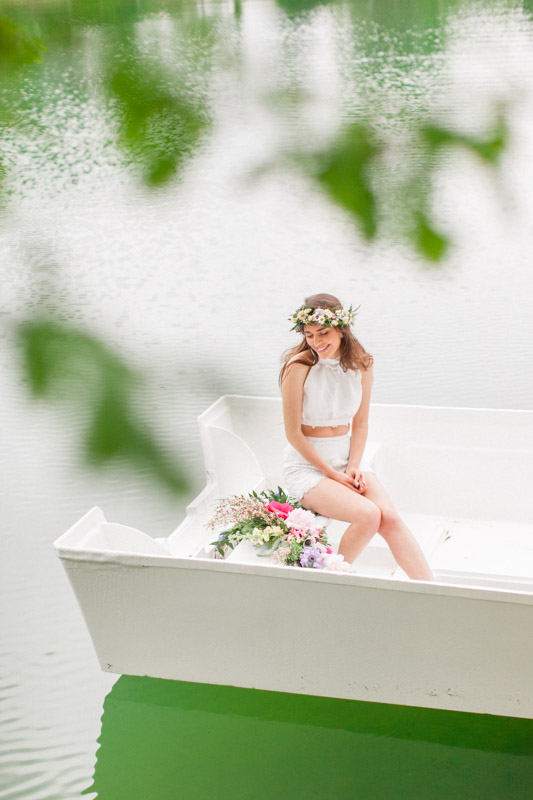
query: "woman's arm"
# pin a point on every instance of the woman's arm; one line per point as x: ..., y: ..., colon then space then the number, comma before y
x: 360, y: 423
x: 292, y: 391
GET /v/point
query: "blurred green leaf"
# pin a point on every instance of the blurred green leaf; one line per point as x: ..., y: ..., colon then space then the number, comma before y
x: 428, y: 242
x: 17, y: 47
x: 160, y: 123
x: 344, y: 173
x: 114, y: 433
x: 63, y: 362
x: 487, y: 148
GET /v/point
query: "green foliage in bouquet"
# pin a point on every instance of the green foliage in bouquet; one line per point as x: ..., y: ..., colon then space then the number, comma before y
x: 293, y: 556
x: 252, y: 520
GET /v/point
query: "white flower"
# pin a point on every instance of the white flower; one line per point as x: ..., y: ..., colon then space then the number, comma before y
x: 302, y: 519
x: 275, y: 530
x: 302, y: 314
x: 335, y: 322
x: 336, y: 562
x: 328, y: 312
x: 281, y: 554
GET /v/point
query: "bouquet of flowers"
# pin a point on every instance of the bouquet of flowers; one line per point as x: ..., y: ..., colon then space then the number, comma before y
x: 278, y: 527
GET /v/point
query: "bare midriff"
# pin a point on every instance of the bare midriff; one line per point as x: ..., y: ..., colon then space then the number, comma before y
x: 331, y: 430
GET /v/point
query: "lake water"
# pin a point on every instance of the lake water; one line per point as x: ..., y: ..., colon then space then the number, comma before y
x: 194, y: 283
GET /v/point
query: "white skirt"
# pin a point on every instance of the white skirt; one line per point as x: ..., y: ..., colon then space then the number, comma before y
x: 299, y: 475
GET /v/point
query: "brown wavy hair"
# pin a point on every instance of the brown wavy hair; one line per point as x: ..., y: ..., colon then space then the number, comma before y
x: 352, y: 353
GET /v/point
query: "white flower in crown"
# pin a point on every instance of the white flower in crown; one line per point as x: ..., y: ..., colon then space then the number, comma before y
x: 338, y: 317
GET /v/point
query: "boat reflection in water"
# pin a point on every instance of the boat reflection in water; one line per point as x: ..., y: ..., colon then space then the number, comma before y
x: 171, y: 739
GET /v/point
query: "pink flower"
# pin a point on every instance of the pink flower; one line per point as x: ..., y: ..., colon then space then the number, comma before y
x: 281, y: 509
x: 302, y: 519
x: 297, y: 533
x: 329, y: 550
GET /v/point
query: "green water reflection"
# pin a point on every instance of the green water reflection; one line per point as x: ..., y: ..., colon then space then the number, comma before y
x: 168, y: 739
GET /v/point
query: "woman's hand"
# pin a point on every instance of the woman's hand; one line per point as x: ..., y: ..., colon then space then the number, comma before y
x: 357, y: 478
x: 348, y: 480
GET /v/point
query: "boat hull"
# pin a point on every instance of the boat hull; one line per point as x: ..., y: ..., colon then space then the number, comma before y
x: 313, y: 633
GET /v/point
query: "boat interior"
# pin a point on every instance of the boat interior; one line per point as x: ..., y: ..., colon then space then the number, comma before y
x: 460, y: 479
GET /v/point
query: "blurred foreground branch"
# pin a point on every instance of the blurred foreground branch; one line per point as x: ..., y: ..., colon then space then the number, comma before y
x: 159, y: 124
x: 159, y: 103
x: 345, y: 170
x: 64, y: 363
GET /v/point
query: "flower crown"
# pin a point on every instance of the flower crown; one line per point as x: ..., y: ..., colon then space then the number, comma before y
x: 328, y: 317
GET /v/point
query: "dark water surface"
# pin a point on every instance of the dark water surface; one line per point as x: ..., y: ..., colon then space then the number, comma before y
x: 193, y: 282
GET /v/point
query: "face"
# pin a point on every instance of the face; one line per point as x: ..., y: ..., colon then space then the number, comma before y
x: 324, y: 341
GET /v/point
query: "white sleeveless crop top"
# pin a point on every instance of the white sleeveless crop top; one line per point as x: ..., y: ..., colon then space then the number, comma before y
x: 331, y: 396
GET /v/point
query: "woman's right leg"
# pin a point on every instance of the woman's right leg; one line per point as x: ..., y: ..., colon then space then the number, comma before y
x: 331, y: 499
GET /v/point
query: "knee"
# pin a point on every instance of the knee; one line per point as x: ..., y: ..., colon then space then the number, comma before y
x: 390, y: 521
x: 370, y: 517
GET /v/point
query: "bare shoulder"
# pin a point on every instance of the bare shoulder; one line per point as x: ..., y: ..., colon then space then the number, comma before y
x: 304, y: 358
x: 296, y: 369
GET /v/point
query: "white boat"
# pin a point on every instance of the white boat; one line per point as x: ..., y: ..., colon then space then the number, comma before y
x: 461, y: 479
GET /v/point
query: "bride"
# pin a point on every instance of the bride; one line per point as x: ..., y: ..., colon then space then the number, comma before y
x: 326, y: 382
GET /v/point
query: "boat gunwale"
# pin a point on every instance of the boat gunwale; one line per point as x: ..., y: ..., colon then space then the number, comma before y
x: 277, y: 398
x: 104, y: 560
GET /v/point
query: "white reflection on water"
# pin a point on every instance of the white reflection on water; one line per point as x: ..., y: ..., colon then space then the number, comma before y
x: 196, y: 281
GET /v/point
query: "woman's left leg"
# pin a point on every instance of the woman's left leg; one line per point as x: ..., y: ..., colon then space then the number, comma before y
x: 403, y: 545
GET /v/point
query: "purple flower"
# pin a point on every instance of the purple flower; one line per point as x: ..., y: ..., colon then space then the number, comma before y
x: 312, y: 557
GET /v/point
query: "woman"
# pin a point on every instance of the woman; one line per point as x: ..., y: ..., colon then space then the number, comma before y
x: 326, y: 382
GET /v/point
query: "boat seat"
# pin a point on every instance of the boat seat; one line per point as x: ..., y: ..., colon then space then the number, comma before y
x: 113, y: 537
x: 376, y: 559
x: 495, y: 554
